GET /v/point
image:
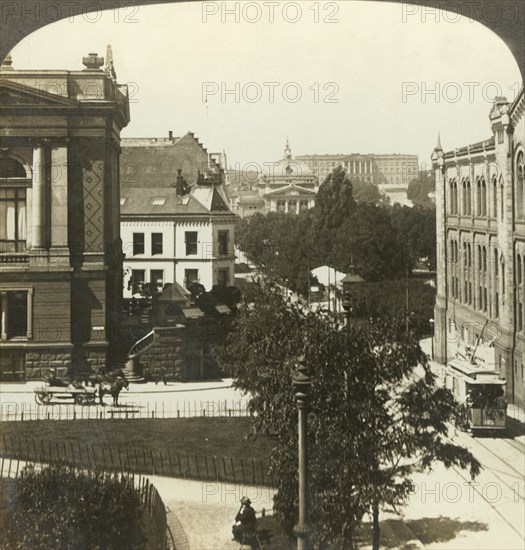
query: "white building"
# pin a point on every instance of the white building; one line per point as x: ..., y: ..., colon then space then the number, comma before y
x: 170, y: 237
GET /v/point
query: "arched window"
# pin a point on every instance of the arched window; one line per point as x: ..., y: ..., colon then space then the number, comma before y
x: 520, y: 184
x: 496, y: 283
x: 483, y: 197
x: 494, y: 198
x: 480, y: 260
x: 469, y: 198
x: 519, y: 293
x: 12, y: 205
x: 464, y: 197
x: 503, y: 282
x: 478, y: 197
x: 501, y: 197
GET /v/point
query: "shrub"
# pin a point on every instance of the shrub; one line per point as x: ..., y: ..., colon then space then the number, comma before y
x: 64, y: 509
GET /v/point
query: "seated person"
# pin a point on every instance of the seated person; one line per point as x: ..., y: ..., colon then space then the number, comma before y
x: 52, y: 379
x: 245, y: 521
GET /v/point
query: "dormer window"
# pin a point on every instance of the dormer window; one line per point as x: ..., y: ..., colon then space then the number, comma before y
x: 158, y: 201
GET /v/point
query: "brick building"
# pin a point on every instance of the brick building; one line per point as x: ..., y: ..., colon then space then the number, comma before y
x: 60, y: 247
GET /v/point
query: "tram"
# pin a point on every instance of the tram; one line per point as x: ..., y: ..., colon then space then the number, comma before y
x: 483, y: 391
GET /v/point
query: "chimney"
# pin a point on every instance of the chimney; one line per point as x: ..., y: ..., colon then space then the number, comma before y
x: 170, y: 135
x: 180, y: 183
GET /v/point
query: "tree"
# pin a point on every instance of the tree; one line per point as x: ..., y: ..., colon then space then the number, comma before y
x: 416, y: 232
x: 364, y: 191
x: 373, y: 418
x: 420, y: 188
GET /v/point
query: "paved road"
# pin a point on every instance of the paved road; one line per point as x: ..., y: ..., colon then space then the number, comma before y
x: 184, y: 399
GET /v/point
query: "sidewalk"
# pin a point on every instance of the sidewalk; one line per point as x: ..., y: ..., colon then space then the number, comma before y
x: 148, y: 387
x: 201, y: 514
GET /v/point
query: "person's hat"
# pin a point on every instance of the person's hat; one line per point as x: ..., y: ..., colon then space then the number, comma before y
x: 245, y: 500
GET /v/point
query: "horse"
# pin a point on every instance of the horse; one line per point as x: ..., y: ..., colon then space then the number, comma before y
x: 113, y: 387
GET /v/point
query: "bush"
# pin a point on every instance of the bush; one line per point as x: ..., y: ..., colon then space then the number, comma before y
x: 64, y: 509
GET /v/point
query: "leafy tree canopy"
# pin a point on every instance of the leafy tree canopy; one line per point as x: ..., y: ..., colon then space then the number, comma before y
x: 375, y: 413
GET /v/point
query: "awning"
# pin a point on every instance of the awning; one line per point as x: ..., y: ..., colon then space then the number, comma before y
x: 193, y: 313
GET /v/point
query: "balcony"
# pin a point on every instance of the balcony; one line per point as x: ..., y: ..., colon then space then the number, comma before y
x: 14, y: 258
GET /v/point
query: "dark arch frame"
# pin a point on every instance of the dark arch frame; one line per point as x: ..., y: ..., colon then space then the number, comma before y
x: 506, y: 18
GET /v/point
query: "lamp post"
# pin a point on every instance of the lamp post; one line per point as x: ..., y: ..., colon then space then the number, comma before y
x: 351, y: 279
x: 302, y: 381
x: 432, y: 324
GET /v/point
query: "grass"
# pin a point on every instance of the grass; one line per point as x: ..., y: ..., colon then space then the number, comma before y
x: 198, y: 448
x: 212, y: 436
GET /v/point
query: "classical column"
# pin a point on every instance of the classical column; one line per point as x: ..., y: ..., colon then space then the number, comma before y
x: 58, y: 176
x: 359, y: 165
x: 3, y: 309
x: 38, y: 210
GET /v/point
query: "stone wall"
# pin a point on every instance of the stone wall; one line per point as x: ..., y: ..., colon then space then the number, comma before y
x: 166, y: 356
x: 40, y: 362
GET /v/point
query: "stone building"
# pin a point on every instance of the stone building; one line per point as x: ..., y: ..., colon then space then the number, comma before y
x: 480, y: 208
x: 288, y: 185
x: 60, y: 247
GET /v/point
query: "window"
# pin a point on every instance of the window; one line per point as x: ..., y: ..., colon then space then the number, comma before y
x: 157, y: 278
x: 281, y: 206
x: 483, y: 197
x: 469, y: 198
x: 292, y: 206
x: 12, y: 219
x: 191, y: 242
x: 138, y: 278
x: 223, y: 277
x: 190, y: 276
x: 14, y: 314
x: 156, y: 243
x: 223, y: 238
x: 158, y: 201
x: 494, y: 198
x: 138, y: 243
x: 520, y: 183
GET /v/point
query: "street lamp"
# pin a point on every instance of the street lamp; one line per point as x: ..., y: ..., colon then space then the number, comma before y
x: 432, y: 324
x: 302, y: 381
x: 351, y: 279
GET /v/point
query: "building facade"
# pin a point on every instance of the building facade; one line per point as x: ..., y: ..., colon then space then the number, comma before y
x: 387, y: 170
x: 480, y: 208
x: 288, y: 185
x: 174, y: 232
x: 60, y: 247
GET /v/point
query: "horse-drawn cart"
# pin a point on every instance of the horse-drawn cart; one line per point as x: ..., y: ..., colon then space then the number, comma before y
x: 80, y: 396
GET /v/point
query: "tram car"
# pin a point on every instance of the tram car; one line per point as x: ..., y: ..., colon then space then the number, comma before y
x: 483, y: 391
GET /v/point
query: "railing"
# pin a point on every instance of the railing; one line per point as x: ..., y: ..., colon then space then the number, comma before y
x: 144, y: 342
x: 163, y: 462
x: 14, y: 258
x: 56, y: 410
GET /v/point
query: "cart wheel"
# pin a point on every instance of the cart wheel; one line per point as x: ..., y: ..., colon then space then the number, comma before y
x: 81, y: 399
x: 42, y: 397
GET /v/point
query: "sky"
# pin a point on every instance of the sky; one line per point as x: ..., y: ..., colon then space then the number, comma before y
x: 332, y: 77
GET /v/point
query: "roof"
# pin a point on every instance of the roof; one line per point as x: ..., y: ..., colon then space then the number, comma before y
x: 327, y: 275
x: 164, y: 201
x: 288, y: 168
x: 173, y: 292
x: 154, y: 162
x: 353, y: 278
